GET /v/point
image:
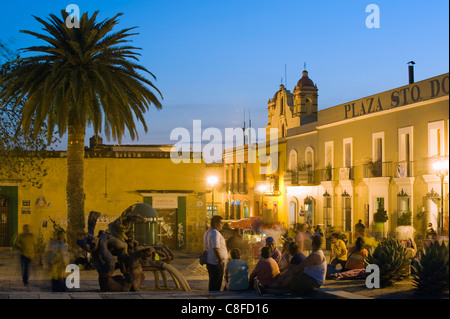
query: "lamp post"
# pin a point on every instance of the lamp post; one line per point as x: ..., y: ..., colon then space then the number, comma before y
x: 441, y: 168
x: 212, y: 181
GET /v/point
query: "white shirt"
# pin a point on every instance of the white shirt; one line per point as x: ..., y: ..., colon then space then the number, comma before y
x: 318, y: 272
x: 214, y: 239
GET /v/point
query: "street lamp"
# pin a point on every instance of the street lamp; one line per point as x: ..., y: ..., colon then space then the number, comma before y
x: 441, y: 168
x: 212, y: 181
x: 262, y: 188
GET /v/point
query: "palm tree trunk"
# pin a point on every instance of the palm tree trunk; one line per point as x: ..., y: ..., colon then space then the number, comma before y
x: 75, y: 184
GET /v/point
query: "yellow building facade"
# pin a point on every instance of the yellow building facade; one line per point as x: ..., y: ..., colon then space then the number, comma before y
x: 333, y: 168
x: 254, y: 187
x: 346, y: 162
x: 115, y: 178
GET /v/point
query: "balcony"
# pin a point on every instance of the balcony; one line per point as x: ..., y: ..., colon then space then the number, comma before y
x: 346, y: 173
x: 377, y: 169
x: 305, y: 177
x: 326, y: 174
x: 237, y: 188
x: 403, y: 169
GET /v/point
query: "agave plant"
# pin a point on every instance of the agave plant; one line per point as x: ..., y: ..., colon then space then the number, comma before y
x: 430, y: 271
x: 391, y: 258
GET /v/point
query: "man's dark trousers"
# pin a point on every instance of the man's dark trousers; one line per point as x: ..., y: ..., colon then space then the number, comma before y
x: 215, y: 273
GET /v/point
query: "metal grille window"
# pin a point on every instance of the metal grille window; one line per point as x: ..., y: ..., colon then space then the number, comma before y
x: 346, y: 212
x: 327, y: 210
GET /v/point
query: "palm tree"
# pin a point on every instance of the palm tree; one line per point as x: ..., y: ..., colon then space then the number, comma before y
x: 82, y: 76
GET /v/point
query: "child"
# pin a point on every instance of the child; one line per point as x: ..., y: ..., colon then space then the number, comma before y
x: 236, y: 272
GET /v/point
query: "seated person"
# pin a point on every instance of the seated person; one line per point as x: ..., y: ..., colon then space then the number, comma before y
x: 338, y: 255
x: 356, y: 255
x: 236, y: 272
x: 274, y: 252
x: 297, y: 256
x: 354, y: 267
x: 285, y: 260
x: 308, y: 275
x: 266, y: 270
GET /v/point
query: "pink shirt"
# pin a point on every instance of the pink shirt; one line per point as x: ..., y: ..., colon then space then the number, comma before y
x: 266, y: 270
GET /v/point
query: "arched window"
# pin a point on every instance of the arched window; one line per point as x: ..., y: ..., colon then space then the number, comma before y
x: 293, y: 161
x: 309, y: 157
x: 308, y: 106
x: 293, y: 212
x: 246, y: 205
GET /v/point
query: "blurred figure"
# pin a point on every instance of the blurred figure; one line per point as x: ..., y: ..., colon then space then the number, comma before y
x: 360, y: 229
x: 303, y: 238
x: 26, y: 245
x: 285, y: 260
x: 318, y: 231
x: 57, y: 258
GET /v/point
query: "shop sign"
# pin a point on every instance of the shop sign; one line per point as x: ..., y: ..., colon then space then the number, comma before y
x: 165, y: 202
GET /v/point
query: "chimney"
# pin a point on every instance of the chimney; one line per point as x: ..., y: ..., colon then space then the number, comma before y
x: 95, y: 141
x: 411, y: 71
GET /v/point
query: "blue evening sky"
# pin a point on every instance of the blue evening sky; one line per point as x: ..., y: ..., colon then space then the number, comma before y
x: 215, y: 58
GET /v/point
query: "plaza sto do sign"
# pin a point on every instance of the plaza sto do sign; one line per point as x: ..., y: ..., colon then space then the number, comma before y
x: 412, y: 93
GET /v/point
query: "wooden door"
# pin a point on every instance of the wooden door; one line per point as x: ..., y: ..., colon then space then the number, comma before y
x: 4, y: 211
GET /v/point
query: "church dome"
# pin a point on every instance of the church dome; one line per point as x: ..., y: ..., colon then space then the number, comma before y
x: 305, y: 80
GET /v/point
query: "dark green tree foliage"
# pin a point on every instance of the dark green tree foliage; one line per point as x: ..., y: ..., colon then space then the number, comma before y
x: 405, y: 219
x: 380, y: 216
x: 21, y: 155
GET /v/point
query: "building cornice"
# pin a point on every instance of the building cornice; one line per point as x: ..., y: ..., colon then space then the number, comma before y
x: 381, y: 113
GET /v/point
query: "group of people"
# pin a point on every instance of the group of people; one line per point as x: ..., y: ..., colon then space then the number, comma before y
x: 299, y: 267
x: 56, y: 256
x: 276, y: 272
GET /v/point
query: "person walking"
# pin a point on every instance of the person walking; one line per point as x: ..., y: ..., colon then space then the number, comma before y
x: 57, y: 258
x: 26, y: 245
x: 216, y: 253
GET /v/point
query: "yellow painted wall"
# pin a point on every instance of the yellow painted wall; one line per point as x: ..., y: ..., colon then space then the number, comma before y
x: 124, y: 177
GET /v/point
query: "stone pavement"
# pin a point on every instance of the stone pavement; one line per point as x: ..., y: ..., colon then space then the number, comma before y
x: 11, y: 286
x: 173, y: 303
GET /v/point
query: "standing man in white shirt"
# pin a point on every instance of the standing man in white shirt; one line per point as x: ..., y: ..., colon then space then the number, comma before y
x: 217, y: 253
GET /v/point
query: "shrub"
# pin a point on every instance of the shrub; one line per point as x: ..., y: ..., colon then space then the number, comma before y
x: 391, y: 258
x: 430, y: 271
